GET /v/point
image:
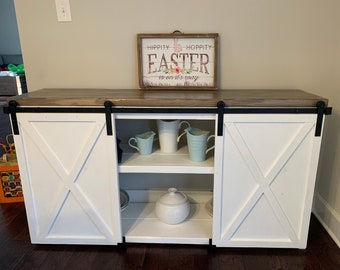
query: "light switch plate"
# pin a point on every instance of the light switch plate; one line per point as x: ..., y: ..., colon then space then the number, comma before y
x: 63, y: 10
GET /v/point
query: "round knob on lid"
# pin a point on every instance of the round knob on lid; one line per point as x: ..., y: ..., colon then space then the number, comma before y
x: 173, y: 197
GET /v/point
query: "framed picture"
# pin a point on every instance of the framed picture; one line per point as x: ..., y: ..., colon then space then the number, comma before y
x: 177, y: 61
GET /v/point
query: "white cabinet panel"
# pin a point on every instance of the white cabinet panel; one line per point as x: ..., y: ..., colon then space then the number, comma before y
x: 264, y: 194
x: 68, y: 167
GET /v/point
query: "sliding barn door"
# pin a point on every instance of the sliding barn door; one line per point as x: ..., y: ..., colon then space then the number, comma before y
x: 69, y: 173
x: 266, y: 167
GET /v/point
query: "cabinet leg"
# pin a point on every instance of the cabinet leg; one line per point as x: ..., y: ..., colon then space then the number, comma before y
x: 123, y: 244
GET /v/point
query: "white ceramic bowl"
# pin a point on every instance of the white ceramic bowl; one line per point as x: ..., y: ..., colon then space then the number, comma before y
x: 173, y: 207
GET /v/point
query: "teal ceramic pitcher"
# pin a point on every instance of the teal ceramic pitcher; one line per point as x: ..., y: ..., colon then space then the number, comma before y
x: 143, y: 142
x: 197, y: 143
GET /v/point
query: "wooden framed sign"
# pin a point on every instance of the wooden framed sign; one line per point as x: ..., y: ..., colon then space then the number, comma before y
x: 177, y: 61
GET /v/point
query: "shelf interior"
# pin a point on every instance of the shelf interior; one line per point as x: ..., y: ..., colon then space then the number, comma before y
x: 141, y: 225
x: 158, y: 162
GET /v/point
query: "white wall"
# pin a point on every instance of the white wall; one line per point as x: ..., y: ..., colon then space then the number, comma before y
x: 263, y: 44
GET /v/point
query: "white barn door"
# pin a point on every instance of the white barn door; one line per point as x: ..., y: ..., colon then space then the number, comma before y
x: 266, y: 186
x: 68, y: 167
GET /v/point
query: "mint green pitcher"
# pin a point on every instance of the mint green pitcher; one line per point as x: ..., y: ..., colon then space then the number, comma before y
x: 143, y: 142
x: 197, y: 143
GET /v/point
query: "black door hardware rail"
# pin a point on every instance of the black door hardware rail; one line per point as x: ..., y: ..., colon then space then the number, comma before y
x: 221, y: 108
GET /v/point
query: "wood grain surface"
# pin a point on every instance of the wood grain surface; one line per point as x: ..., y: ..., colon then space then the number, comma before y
x: 169, y: 98
x: 18, y: 253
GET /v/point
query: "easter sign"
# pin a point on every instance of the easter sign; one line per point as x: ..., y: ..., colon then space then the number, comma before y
x: 177, y: 61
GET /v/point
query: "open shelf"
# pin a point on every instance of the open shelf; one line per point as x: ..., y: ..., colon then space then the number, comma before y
x: 158, y: 162
x: 149, y: 174
x: 140, y: 224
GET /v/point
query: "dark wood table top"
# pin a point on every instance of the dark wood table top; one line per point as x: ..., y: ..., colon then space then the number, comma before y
x: 169, y: 98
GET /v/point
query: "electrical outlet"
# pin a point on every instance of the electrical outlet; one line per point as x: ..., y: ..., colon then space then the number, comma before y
x: 63, y: 10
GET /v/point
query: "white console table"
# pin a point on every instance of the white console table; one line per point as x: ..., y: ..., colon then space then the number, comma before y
x: 261, y: 175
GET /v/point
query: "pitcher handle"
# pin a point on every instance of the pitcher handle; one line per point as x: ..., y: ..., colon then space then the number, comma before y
x: 185, y: 131
x: 212, y: 147
x: 183, y: 122
x: 130, y: 143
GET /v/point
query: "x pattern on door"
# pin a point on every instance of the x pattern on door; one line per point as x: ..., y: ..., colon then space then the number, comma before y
x: 263, y: 172
x: 67, y: 150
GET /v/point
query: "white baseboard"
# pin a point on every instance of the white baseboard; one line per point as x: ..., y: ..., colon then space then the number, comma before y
x: 328, y: 217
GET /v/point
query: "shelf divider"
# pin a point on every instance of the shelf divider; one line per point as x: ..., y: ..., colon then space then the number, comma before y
x: 158, y: 162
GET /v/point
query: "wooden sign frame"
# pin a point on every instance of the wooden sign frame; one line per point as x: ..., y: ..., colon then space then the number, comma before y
x: 177, y: 61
